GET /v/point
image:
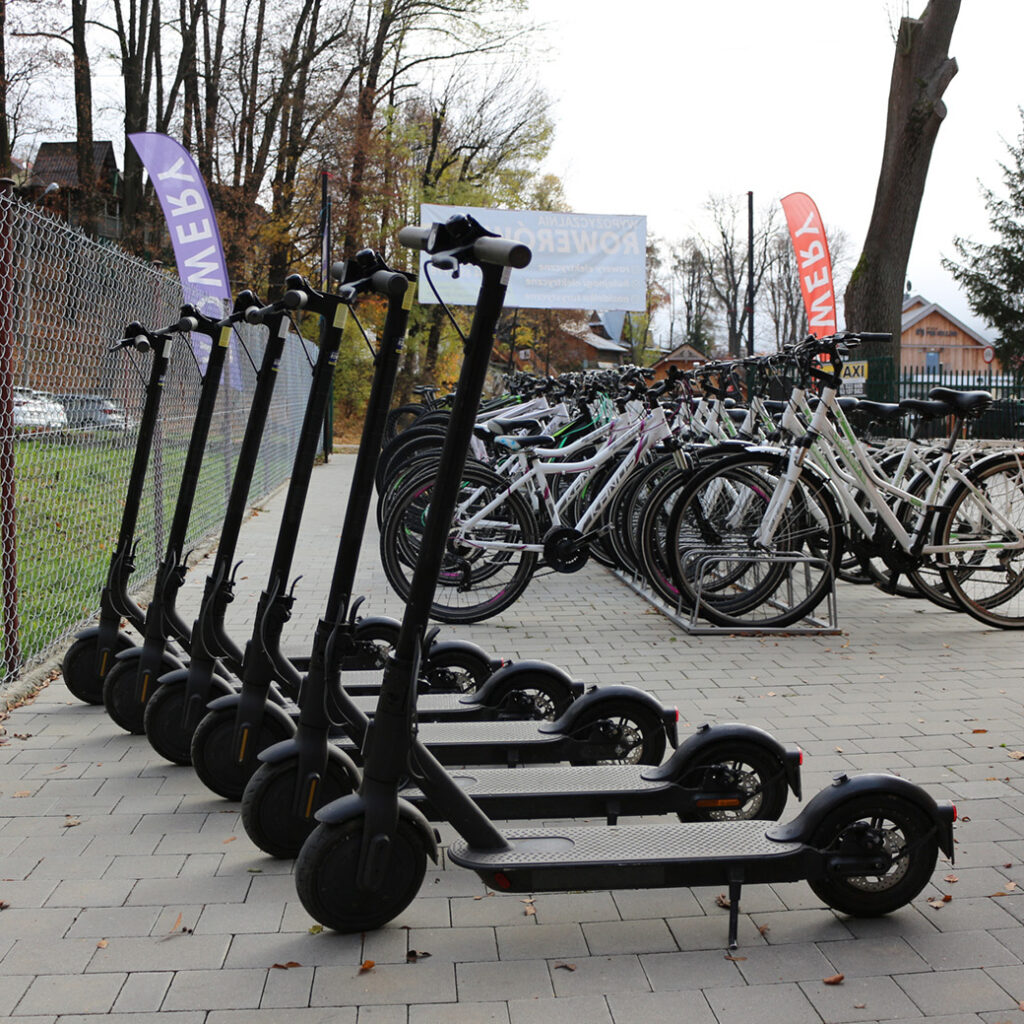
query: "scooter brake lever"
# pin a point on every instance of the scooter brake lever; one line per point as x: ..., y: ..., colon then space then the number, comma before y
x: 291, y: 589
x: 355, y: 608
x: 234, y: 570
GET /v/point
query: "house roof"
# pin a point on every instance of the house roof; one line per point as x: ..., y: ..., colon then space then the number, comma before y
x: 915, y: 309
x: 57, y: 161
x: 582, y: 331
x: 685, y: 352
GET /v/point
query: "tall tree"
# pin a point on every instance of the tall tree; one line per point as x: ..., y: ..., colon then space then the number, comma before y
x: 993, y: 275
x: 921, y: 71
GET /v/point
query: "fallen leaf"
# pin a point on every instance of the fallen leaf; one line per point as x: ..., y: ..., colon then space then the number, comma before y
x: 315, y: 929
x: 723, y: 901
x: 836, y: 979
x: 23, y: 792
x: 177, y: 922
x: 102, y: 944
x: 951, y: 878
x: 70, y: 822
x: 1010, y: 886
x: 285, y: 967
x: 936, y: 904
x: 1017, y: 755
x: 839, y: 750
x: 59, y: 767
x: 255, y: 871
x: 976, y: 731
x: 764, y: 929
x: 1000, y: 893
x: 859, y: 1006
x: 230, y: 839
x: 1008, y: 865
x: 22, y: 735
x: 735, y: 959
x: 416, y: 954
x: 530, y: 912
x: 565, y: 967
x: 4, y: 904
x: 965, y: 817
x: 367, y: 965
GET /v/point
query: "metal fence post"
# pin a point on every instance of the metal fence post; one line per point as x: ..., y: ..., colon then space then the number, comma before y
x: 8, y: 515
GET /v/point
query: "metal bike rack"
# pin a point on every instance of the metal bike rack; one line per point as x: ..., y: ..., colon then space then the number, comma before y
x: 702, y: 563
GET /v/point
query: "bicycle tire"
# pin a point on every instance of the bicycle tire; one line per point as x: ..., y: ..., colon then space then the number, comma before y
x: 474, y: 583
x: 711, y: 531
x: 988, y: 582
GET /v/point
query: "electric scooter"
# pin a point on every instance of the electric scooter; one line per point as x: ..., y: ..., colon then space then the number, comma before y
x: 866, y: 845
x: 239, y: 724
x: 133, y: 677
x: 91, y: 655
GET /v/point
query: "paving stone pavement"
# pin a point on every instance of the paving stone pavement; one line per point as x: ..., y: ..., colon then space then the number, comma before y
x: 131, y: 891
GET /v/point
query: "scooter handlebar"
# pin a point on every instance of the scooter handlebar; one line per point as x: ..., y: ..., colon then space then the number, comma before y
x: 290, y: 300
x: 390, y: 283
x: 414, y: 237
x: 500, y: 251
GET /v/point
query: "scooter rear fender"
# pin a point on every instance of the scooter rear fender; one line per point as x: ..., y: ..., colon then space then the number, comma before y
x: 805, y: 824
x: 346, y: 808
x: 677, y: 765
x: 599, y: 695
x: 513, y: 676
x: 496, y: 664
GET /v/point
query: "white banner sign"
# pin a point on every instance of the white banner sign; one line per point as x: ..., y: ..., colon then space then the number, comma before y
x: 580, y: 260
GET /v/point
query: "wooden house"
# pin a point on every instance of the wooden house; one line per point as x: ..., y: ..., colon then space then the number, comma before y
x: 934, y: 341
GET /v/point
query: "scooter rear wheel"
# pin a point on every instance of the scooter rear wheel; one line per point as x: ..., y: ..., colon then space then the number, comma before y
x: 213, y: 757
x: 79, y: 670
x: 268, y: 811
x: 903, y: 829
x: 617, y: 732
x: 753, y: 770
x: 325, y: 875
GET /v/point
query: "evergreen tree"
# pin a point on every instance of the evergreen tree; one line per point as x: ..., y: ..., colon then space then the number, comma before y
x: 993, y: 275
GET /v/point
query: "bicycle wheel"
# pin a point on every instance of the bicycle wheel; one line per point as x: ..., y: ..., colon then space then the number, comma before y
x: 485, y: 566
x: 652, y: 535
x: 716, y: 564
x: 984, y: 523
x: 401, y: 418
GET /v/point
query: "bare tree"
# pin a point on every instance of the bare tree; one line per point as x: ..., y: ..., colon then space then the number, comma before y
x: 725, y: 256
x: 691, y: 291
x: 921, y: 71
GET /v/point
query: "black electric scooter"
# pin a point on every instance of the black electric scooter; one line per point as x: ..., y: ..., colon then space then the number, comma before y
x: 91, y: 656
x: 261, y: 709
x: 132, y: 678
x: 300, y: 774
x: 866, y: 845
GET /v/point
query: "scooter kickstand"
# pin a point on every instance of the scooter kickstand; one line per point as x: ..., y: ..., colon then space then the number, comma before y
x: 735, y: 885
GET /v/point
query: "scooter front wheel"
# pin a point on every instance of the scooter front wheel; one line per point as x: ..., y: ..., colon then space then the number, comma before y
x: 855, y: 830
x: 268, y: 805
x: 325, y: 876
x: 120, y: 696
x: 167, y: 730
x: 744, y: 767
x: 81, y: 675
x: 213, y: 751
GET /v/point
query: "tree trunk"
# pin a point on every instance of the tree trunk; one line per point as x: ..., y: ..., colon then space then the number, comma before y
x: 83, y: 119
x: 5, y: 135
x: 921, y: 71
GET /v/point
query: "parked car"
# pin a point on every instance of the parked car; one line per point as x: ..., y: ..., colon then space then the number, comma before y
x: 95, y: 412
x: 34, y: 410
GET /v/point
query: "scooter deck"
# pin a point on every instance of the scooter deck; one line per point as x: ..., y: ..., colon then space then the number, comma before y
x: 635, y: 856
x: 557, y: 791
x: 428, y: 705
x: 488, y: 743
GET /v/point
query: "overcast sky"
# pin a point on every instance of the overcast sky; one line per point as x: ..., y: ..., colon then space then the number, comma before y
x: 660, y: 103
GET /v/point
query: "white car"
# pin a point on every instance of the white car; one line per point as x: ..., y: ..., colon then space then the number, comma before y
x: 34, y: 410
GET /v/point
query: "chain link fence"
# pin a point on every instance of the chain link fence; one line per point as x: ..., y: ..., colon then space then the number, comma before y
x: 69, y: 412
